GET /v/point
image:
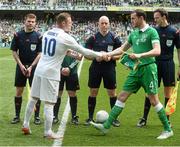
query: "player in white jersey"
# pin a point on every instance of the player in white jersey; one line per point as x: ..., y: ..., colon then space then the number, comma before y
x: 55, y: 44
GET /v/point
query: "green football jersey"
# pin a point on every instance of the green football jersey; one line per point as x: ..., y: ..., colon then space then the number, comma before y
x: 71, y: 63
x: 142, y: 41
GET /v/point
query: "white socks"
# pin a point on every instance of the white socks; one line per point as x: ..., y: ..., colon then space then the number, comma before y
x: 120, y: 104
x: 29, y: 109
x: 158, y: 107
x: 48, y: 112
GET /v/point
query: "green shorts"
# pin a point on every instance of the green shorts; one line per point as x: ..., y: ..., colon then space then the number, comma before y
x: 145, y: 76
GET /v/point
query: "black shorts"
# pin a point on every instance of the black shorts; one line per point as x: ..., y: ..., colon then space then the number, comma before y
x: 166, y: 72
x: 20, y: 79
x: 72, y: 82
x: 96, y: 74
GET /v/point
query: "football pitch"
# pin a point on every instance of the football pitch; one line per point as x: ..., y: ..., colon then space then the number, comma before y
x: 125, y: 135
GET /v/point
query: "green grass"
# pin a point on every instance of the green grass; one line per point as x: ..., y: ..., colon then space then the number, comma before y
x: 126, y: 135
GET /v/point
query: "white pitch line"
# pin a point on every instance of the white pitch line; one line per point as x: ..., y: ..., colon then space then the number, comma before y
x: 62, y: 126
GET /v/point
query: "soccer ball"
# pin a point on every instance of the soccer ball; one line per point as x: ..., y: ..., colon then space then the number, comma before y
x: 101, y: 116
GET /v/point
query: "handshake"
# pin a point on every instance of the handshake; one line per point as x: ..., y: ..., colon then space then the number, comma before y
x: 105, y: 56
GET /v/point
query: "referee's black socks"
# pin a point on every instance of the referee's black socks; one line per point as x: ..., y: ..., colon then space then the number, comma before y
x: 91, y: 106
x: 37, y: 108
x: 147, y: 106
x: 17, y: 102
x: 113, y: 101
x: 73, y: 105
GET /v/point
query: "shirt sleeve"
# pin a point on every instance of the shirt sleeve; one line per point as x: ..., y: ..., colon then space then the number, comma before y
x: 89, y: 42
x: 154, y: 36
x: 39, y: 43
x: 118, y: 42
x: 14, y: 46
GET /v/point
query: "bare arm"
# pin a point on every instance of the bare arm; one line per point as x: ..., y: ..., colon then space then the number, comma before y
x: 18, y: 61
x: 86, y: 52
x: 116, y: 57
x: 16, y: 57
x: 36, y: 59
x: 117, y: 52
x: 154, y: 52
x: 29, y: 69
x: 74, y: 54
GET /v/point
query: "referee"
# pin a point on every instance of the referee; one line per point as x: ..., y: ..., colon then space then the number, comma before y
x: 102, y: 41
x: 26, y: 50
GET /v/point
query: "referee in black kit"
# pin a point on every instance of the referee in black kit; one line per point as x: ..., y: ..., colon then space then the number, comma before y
x: 105, y: 41
x: 26, y: 50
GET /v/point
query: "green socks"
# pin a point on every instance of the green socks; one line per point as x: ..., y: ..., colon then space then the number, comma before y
x: 116, y: 110
x: 164, y: 120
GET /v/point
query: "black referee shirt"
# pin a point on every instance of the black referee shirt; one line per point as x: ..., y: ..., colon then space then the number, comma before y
x: 169, y: 38
x: 106, y: 43
x: 27, y: 44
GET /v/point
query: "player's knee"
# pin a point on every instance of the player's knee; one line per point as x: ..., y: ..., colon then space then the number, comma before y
x: 72, y: 93
x: 19, y: 91
x: 93, y: 92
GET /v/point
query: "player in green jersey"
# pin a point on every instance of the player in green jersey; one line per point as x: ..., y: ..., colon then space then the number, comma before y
x: 144, y: 41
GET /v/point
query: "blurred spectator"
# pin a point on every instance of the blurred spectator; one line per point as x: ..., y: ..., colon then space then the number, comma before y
x: 82, y: 28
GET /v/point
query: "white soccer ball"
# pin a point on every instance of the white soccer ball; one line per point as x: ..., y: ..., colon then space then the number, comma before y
x: 101, y: 116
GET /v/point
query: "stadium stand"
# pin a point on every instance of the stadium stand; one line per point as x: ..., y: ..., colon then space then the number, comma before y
x: 82, y: 30
x: 88, y: 4
x: 85, y: 12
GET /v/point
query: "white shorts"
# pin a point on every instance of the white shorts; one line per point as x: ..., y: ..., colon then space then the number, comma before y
x: 45, y: 89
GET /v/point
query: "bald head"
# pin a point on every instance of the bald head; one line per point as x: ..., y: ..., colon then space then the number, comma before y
x: 103, y: 18
x: 103, y: 25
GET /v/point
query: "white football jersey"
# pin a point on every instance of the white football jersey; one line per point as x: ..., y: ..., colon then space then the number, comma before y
x: 55, y: 43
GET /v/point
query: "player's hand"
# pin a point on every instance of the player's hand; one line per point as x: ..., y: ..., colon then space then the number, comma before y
x: 23, y: 69
x: 28, y: 71
x: 65, y: 71
x: 106, y: 57
x: 135, y: 56
x: 99, y: 59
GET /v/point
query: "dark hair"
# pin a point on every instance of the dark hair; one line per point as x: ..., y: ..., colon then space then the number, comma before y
x: 30, y: 15
x: 62, y: 17
x: 162, y: 11
x: 139, y: 13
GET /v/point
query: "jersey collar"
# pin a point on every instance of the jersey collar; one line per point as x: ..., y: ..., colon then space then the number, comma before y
x: 145, y: 28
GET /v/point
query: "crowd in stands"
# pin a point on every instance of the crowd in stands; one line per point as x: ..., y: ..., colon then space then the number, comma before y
x: 70, y: 3
x: 120, y: 2
x: 81, y: 30
x: 8, y: 27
